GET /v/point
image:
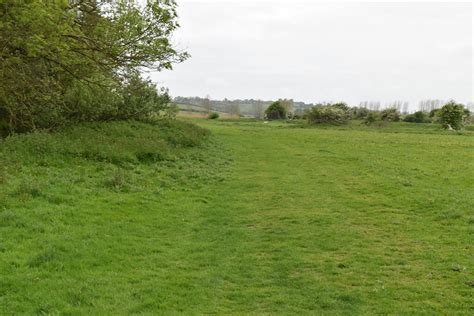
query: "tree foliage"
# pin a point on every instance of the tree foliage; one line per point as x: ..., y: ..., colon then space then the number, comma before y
x: 452, y: 115
x: 213, y: 116
x: 390, y: 114
x: 276, y: 111
x: 371, y: 118
x: 332, y: 114
x: 79, y: 59
x: 359, y: 113
x: 417, y: 117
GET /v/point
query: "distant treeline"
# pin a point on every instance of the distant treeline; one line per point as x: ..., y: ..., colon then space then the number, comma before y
x: 256, y: 108
x: 245, y: 107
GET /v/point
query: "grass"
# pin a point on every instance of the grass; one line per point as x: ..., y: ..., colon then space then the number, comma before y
x: 255, y: 218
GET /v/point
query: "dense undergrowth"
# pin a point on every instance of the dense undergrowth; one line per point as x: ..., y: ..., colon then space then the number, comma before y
x: 116, y: 156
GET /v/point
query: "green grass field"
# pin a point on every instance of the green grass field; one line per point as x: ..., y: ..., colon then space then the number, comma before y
x: 253, y: 218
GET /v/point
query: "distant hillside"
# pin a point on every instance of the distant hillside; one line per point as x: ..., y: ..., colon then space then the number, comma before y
x: 246, y: 107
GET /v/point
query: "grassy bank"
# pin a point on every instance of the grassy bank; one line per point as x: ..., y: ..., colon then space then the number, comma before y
x: 255, y: 218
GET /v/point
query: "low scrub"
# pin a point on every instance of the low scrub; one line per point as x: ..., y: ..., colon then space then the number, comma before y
x: 114, y: 142
x: 213, y: 116
x: 371, y: 118
x: 359, y: 113
x: 328, y: 114
x: 390, y: 115
x: 417, y: 117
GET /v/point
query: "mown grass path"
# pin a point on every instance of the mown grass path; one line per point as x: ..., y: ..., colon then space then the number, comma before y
x: 331, y: 220
x: 304, y: 221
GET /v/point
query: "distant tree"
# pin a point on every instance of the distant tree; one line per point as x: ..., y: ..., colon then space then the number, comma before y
x: 417, y: 117
x: 360, y: 113
x: 371, y: 118
x: 54, y: 51
x: 288, y: 104
x: 396, y: 105
x: 390, y: 114
x: 213, y: 116
x: 429, y: 105
x: 341, y: 105
x: 405, y: 107
x: 329, y: 114
x: 452, y: 115
x: 276, y: 111
x: 371, y: 105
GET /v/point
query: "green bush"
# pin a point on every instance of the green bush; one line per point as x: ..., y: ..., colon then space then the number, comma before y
x: 371, y: 118
x: 141, y: 99
x: 276, y: 111
x: 453, y: 115
x: 390, y: 114
x: 417, y: 117
x: 359, y: 113
x: 213, y: 116
x: 65, y: 62
x: 327, y: 114
x: 341, y: 105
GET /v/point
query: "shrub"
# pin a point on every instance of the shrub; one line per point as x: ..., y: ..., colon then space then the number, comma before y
x: 452, y: 115
x: 371, y: 118
x: 360, y: 113
x: 417, y: 117
x: 327, y: 114
x: 141, y: 99
x: 341, y: 105
x: 276, y: 111
x: 118, y: 143
x: 213, y: 116
x: 390, y: 114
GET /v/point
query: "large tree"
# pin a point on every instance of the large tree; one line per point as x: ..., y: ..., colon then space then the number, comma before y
x: 50, y: 48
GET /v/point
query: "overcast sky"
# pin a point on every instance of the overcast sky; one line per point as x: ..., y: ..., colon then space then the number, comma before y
x: 313, y: 51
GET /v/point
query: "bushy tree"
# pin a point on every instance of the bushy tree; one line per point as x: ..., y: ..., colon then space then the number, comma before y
x: 276, y: 111
x: 371, y: 118
x: 390, y: 114
x: 327, y: 114
x: 452, y: 115
x: 213, y: 116
x: 341, y: 105
x: 141, y: 99
x: 56, y: 52
x: 359, y: 113
x: 417, y: 117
